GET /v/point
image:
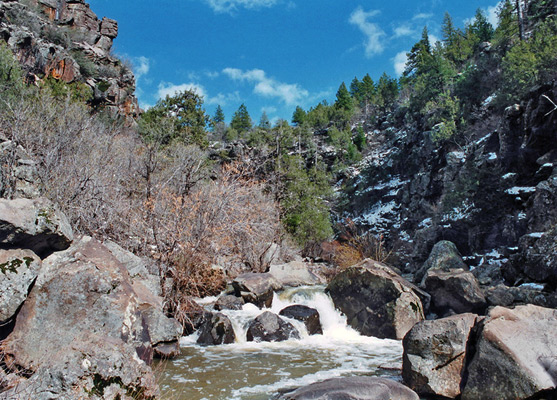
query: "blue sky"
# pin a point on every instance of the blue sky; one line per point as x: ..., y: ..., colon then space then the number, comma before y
x: 271, y: 55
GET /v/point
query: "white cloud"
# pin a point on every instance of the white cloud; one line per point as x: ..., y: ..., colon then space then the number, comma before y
x: 269, y: 110
x: 422, y: 16
x: 268, y: 87
x: 492, y: 16
x: 170, y: 89
x: 374, y: 34
x: 141, y: 66
x: 433, y: 39
x: 228, y: 6
x: 399, y: 62
x: 404, y: 30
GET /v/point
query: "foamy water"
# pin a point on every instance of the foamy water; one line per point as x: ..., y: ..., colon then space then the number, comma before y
x: 256, y: 371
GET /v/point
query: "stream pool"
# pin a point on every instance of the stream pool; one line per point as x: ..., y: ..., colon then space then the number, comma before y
x: 259, y: 371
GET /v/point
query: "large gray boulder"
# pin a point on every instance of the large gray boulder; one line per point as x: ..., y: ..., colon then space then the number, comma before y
x: 444, y: 256
x: 376, y: 301
x: 515, y: 355
x: 269, y: 327
x: 294, y: 273
x: 217, y: 329
x: 34, y: 224
x: 454, y: 292
x: 18, y: 270
x: 81, y: 329
x: 435, y: 355
x: 353, y: 388
x: 229, y: 302
x: 256, y: 288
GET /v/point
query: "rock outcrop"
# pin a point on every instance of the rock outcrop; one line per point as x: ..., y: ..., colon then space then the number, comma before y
x: 353, y: 388
x: 294, y: 273
x: 269, y: 327
x: 376, y: 301
x: 66, y: 41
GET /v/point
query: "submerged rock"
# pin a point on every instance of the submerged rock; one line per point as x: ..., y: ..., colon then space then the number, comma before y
x: 309, y: 316
x: 217, y: 329
x: 353, y: 388
x: 515, y: 355
x: 435, y: 355
x: 256, y: 288
x: 269, y: 327
x: 376, y: 301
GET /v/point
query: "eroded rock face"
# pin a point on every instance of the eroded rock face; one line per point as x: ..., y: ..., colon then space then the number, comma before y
x: 376, y: 301
x: 18, y: 270
x: 256, y: 288
x: 309, y: 316
x: 435, y: 355
x: 353, y: 388
x: 269, y: 327
x: 217, y: 329
x: 82, y: 326
x: 34, y: 224
x: 515, y: 355
x: 454, y: 292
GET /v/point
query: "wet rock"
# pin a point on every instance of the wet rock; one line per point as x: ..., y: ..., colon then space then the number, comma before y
x: 217, y: 329
x: 309, y: 316
x: 18, y: 270
x: 454, y: 292
x: 34, y: 224
x: 435, y: 355
x: 444, y: 256
x: 229, y: 302
x: 269, y: 327
x: 167, y: 351
x: 515, y: 355
x: 294, y: 273
x: 81, y: 326
x: 376, y: 301
x: 256, y: 288
x: 353, y: 388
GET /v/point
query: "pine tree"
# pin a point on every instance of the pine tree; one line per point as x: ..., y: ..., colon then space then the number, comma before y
x: 481, y: 28
x: 219, y: 116
x: 299, y: 116
x: 356, y: 90
x: 419, y: 57
x: 264, y: 122
x: 241, y: 121
x: 344, y: 100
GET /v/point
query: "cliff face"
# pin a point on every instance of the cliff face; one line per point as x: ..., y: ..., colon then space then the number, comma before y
x: 65, y: 40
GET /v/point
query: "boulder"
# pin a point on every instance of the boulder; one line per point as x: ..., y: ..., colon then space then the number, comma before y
x: 256, y: 288
x: 18, y: 270
x: 444, y: 256
x: 217, y: 329
x: 81, y: 328
x: 161, y: 328
x: 269, y: 327
x: 295, y: 273
x: 454, y: 292
x: 353, y: 388
x: 229, y: 302
x: 109, y: 28
x: 34, y: 224
x: 167, y: 350
x: 376, y: 301
x: 536, y: 260
x: 515, y: 355
x: 508, y: 296
x: 435, y: 355
x: 309, y: 316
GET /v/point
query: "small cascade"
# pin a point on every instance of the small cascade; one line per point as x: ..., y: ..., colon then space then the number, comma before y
x: 256, y: 370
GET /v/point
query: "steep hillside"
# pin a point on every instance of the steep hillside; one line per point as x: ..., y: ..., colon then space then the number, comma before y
x: 64, y: 40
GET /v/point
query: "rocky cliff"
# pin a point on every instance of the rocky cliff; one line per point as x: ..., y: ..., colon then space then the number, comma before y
x: 65, y: 40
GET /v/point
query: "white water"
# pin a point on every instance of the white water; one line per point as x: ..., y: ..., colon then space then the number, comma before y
x: 256, y: 371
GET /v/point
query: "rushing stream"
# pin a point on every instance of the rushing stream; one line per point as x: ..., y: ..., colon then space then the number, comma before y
x: 258, y: 371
